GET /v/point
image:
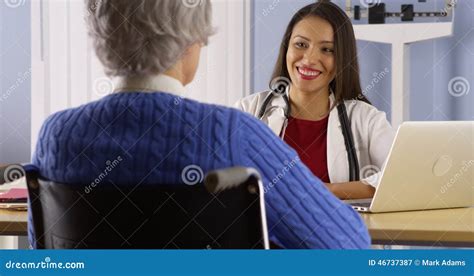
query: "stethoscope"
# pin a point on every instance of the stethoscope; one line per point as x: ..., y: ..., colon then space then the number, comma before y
x: 343, y: 119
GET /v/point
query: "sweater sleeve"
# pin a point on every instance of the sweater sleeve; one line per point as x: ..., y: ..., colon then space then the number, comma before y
x: 301, y: 212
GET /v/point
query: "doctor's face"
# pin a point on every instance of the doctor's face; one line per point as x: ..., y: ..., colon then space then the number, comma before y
x: 310, y: 56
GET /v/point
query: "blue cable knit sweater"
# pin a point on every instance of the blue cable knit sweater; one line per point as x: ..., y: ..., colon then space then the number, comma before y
x: 156, y: 135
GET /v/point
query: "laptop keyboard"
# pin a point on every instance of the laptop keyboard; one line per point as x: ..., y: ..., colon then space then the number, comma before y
x: 362, y: 204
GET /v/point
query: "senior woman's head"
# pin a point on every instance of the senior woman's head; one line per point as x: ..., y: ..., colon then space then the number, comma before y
x: 149, y: 37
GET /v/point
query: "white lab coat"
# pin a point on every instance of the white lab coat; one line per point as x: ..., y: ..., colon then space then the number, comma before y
x: 372, y: 133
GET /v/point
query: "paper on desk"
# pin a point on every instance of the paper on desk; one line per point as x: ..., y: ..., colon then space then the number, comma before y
x: 14, y: 206
x: 14, y: 195
x: 19, y: 183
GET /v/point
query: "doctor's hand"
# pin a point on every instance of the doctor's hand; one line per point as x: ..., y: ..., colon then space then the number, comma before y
x: 351, y: 190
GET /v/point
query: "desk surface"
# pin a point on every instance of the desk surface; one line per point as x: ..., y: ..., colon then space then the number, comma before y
x: 13, y: 223
x: 444, y: 227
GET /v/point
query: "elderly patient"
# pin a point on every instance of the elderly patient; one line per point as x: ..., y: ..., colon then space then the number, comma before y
x: 152, y: 47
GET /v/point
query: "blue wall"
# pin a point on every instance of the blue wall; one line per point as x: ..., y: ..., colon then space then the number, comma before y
x: 434, y: 63
x: 15, y: 81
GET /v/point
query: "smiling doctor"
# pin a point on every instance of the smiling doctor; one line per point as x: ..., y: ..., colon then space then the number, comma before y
x: 316, y: 104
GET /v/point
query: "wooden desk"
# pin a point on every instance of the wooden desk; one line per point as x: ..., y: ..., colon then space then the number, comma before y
x: 444, y: 227
x: 13, y: 223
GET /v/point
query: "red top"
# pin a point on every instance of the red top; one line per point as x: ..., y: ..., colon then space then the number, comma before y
x: 309, y: 139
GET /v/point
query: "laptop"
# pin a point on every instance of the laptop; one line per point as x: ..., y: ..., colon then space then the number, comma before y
x: 430, y: 166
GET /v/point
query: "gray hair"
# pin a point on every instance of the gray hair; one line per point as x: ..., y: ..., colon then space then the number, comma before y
x: 144, y: 37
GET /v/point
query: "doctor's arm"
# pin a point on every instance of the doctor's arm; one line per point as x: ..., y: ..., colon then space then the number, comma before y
x: 380, y: 137
x: 351, y: 190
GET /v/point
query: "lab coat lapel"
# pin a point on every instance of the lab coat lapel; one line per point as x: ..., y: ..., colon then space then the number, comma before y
x: 337, y: 160
x: 276, y: 115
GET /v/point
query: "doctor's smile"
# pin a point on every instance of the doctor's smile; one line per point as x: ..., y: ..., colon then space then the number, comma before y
x: 308, y: 73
